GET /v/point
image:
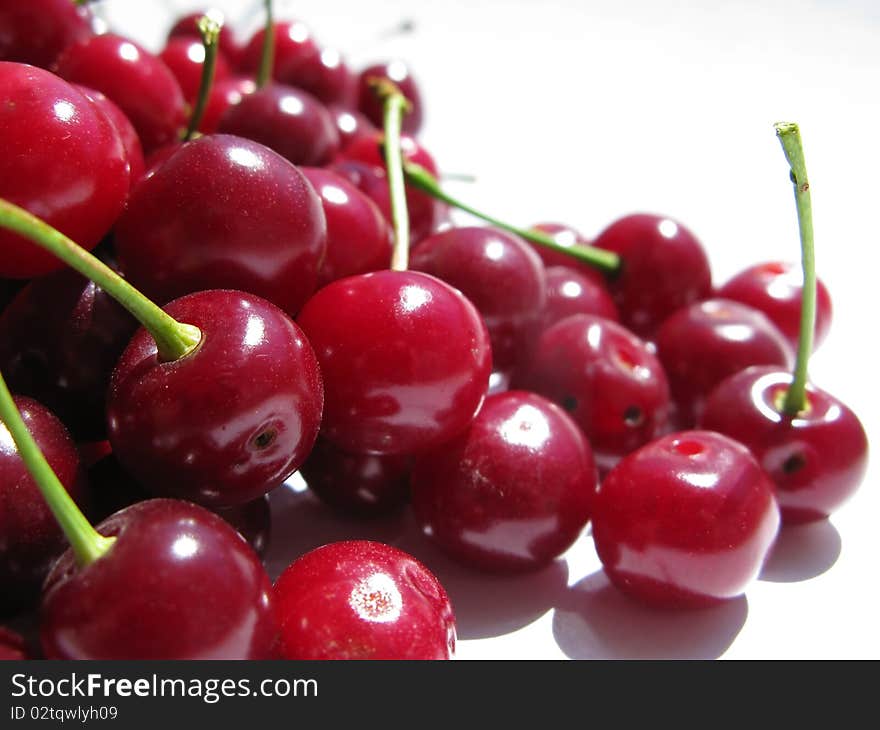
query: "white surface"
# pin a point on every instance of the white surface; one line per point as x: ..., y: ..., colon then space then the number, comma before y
x: 580, y: 112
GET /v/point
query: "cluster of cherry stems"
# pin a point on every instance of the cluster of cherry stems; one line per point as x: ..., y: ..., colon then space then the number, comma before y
x: 513, y: 385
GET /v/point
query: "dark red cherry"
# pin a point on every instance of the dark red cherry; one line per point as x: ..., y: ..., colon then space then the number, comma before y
x: 231, y: 420
x: 290, y: 121
x: 181, y: 233
x: 363, y: 485
x: 12, y: 646
x: 566, y: 236
x: 134, y: 79
x: 30, y: 538
x: 185, y: 58
x: 362, y: 600
x: 606, y: 378
x: 371, y: 105
x: 293, y: 42
x: 324, y: 75
x: 512, y: 493
x: 500, y: 274
x: 187, y: 27
x: 62, y: 160
x: 359, y: 239
x: 350, y: 124
x: 685, y: 521
x: 816, y: 459
x: 405, y: 359
x: 252, y: 520
x: 702, y: 344
x: 570, y: 292
x: 59, y: 342
x: 178, y: 583
x: 775, y: 289
x: 38, y: 31
x: 664, y: 268
x: 130, y: 140
x: 224, y: 94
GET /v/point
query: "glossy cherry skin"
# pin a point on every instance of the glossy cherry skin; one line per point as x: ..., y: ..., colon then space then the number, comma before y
x: 702, y: 344
x: 570, y: 292
x: 293, y: 43
x: 324, y: 75
x: 134, y: 152
x: 405, y: 360
x: 606, y: 378
x: 59, y: 342
x: 362, y: 600
x: 185, y: 58
x: 500, y: 274
x: 664, y: 267
x: 187, y: 27
x: 817, y: 460
x: 37, y: 31
x: 178, y: 583
x: 224, y: 94
x: 134, y: 79
x: 775, y: 289
x: 566, y: 236
x: 179, y: 234
x: 371, y: 105
x: 359, y: 239
x: 62, y: 160
x: 360, y: 485
x: 290, y: 121
x: 686, y: 521
x: 513, y: 492
x: 350, y: 124
x: 30, y: 538
x: 230, y: 421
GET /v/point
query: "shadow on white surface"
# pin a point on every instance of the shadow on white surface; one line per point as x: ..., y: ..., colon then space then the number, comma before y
x: 802, y: 552
x: 596, y: 621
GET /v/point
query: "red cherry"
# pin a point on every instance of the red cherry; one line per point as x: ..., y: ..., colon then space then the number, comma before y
x: 685, y: 521
x: 775, y: 289
x: 664, y: 267
x: 511, y: 494
x: 229, y: 45
x: 350, y: 124
x: 224, y: 94
x: 567, y: 236
x: 134, y: 79
x: 570, y: 292
x: 179, y: 234
x: 405, y: 359
x: 371, y: 105
x: 324, y: 75
x: 30, y: 538
x: 293, y: 42
x: 228, y: 422
x: 362, y: 600
x: 816, y: 459
x: 62, y: 160
x: 130, y: 140
x: 12, y: 646
x: 185, y: 58
x: 178, y: 583
x: 37, y: 31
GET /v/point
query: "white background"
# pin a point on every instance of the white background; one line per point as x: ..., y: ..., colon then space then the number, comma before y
x: 582, y: 111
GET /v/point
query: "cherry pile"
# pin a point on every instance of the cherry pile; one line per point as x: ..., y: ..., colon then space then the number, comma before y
x: 276, y: 287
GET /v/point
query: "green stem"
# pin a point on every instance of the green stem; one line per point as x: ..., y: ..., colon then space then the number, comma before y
x: 173, y: 339
x: 209, y: 30
x: 419, y: 177
x: 267, y: 59
x: 789, y: 135
x: 88, y: 545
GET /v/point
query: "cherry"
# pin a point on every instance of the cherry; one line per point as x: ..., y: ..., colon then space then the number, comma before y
x: 702, y: 344
x: 512, y: 493
x: 30, y: 539
x: 231, y: 420
x: 37, y: 31
x: 324, y: 75
x: 176, y: 583
x: 224, y: 94
x: 606, y: 378
x: 359, y: 239
x: 775, y: 289
x: 570, y: 292
x: 566, y: 236
x: 816, y: 458
x: 293, y: 43
x: 59, y: 342
x: 187, y: 27
x: 363, y: 485
x: 132, y: 77
x: 664, y: 268
x: 62, y: 159
x: 685, y: 521
x: 184, y: 56
x: 362, y: 600
x: 503, y: 278
x: 351, y: 125
x: 398, y: 73
x: 178, y: 234
x: 12, y: 646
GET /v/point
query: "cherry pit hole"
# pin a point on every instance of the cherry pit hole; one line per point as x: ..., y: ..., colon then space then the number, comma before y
x: 264, y: 439
x: 794, y: 463
x: 633, y: 416
x: 570, y: 403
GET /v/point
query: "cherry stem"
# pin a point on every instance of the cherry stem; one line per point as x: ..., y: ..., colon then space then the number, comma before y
x: 267, y: 58
x: 789, y: 135
x: 209, y: 29
x: 174, y: 339
x: 419, y: 177
x: 88, y: 544
x: 395, y: 105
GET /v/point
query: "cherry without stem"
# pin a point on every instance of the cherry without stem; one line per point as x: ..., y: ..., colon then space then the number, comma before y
x: 38, y: 31
x: 570, y: 292
x: 351, y: 124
